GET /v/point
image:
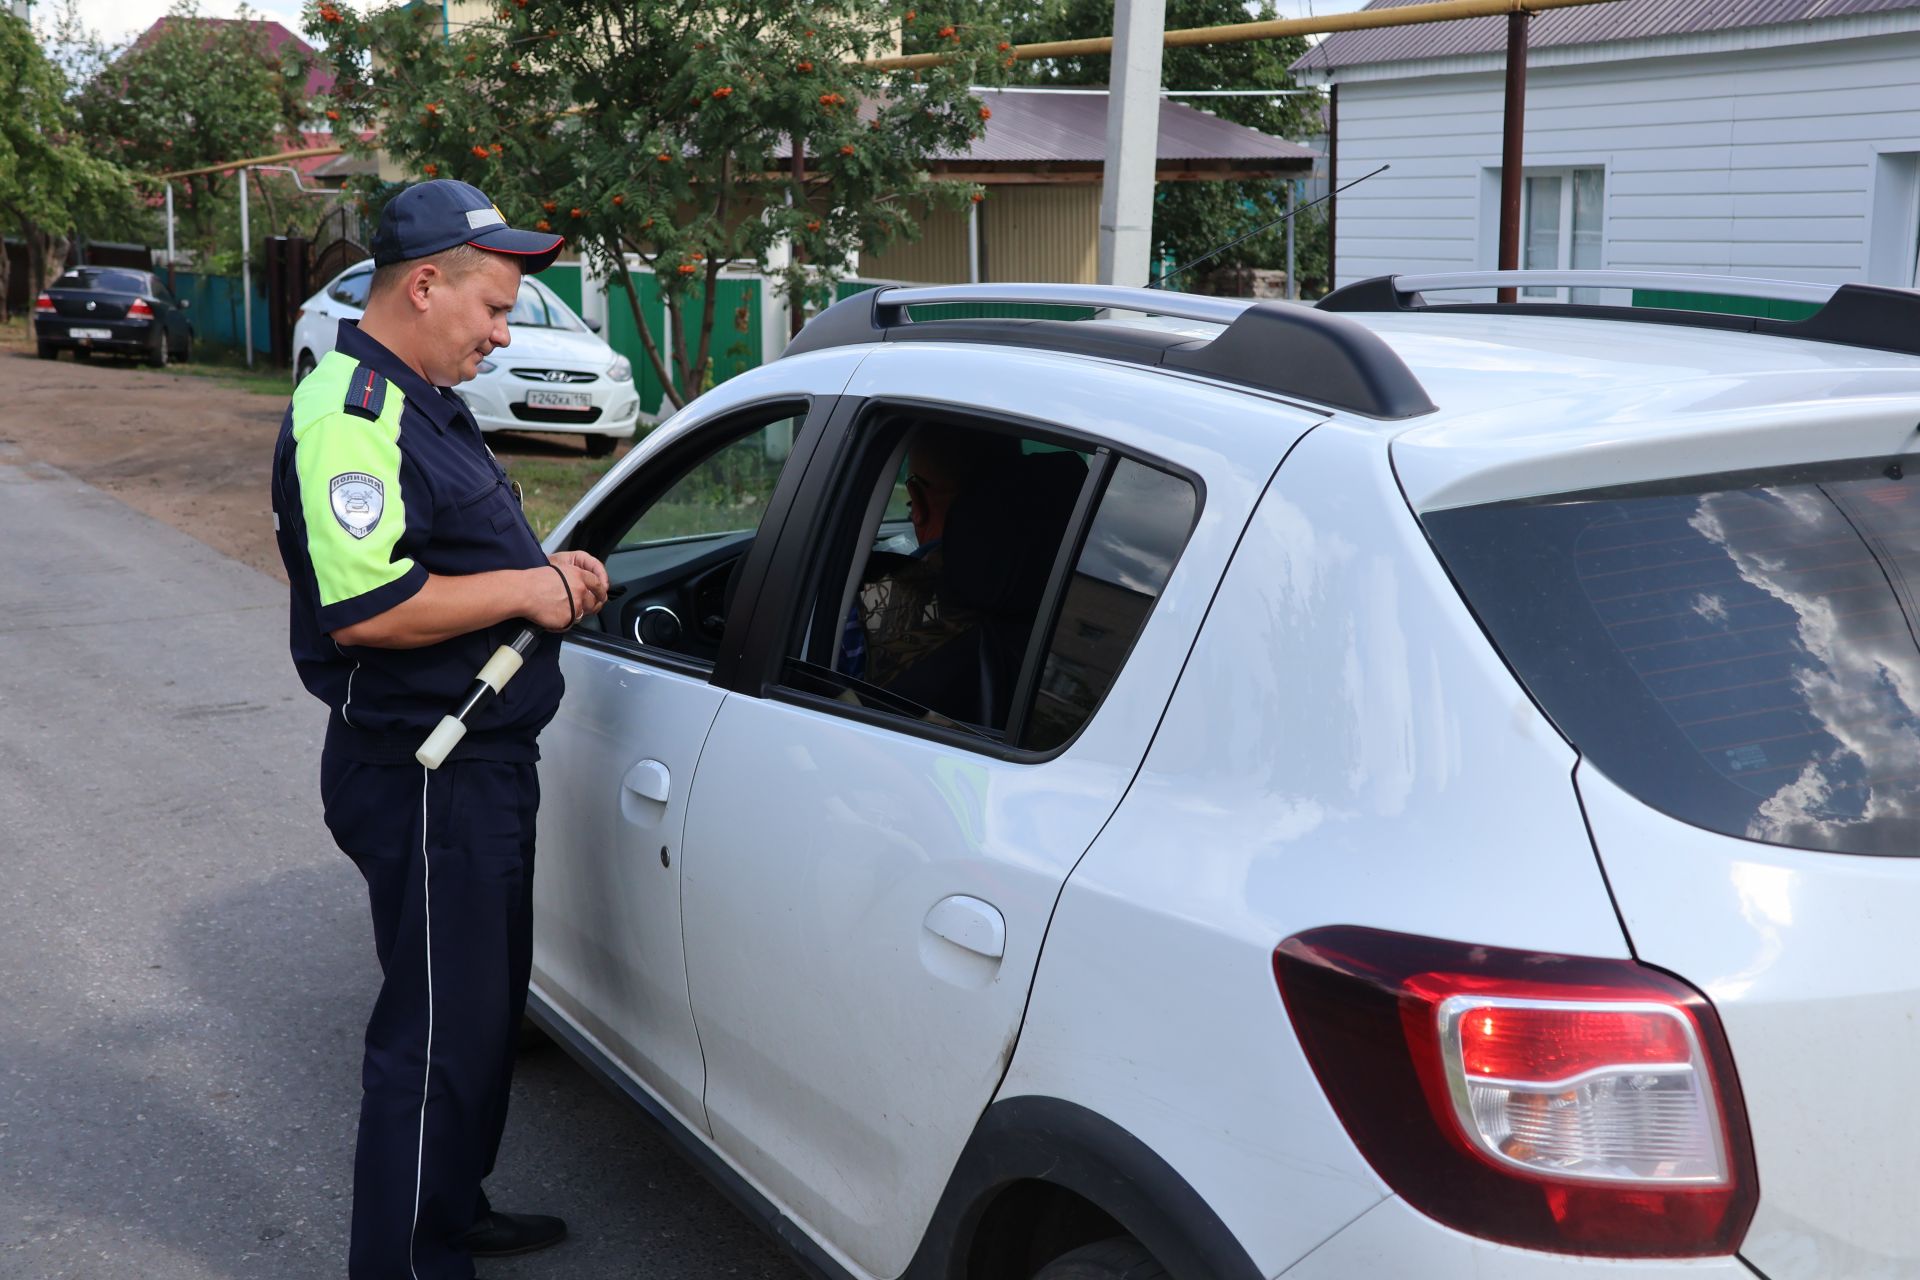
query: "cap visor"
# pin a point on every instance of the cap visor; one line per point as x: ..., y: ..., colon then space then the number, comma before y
x: 535, y: 249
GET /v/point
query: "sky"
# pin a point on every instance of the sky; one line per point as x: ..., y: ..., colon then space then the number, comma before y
x: 115, y: 20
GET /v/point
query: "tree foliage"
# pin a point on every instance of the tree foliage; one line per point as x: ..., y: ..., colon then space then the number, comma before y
x: 190, y: 92
x: 1191, y: 218
x: 50, y: 183
x: 661, y: 131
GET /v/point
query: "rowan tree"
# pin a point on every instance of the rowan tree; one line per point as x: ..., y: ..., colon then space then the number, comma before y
x: 661, y: 132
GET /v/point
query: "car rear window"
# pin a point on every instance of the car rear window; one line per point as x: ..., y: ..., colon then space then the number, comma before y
x: 104, y: 281
x: 1737, y: 651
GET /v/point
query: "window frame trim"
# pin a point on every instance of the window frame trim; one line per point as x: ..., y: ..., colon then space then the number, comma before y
x: 776, y: 624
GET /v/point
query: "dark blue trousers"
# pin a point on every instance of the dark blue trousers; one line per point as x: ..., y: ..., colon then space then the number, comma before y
x: 448, y: 859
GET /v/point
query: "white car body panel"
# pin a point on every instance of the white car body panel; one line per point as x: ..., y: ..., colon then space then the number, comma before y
x: 850, y: 1050
x: 488, y: 395
x: 1343, y: 748
x: 607, y: 948
x: 1394, y: 1240
x: 1579, y: 404
x: 607, y: 942
x: 1809, y: 959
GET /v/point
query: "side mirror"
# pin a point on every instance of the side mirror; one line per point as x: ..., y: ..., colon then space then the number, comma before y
x: 593, y: 325
x: 183, y: 303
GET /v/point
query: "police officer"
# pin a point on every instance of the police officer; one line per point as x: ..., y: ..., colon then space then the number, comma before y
x: 410, y: 562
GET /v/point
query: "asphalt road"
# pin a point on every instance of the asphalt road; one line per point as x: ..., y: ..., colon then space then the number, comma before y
x: 185, y: 960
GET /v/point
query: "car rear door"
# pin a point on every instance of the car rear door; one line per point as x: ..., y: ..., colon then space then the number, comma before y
x: 866, y: 893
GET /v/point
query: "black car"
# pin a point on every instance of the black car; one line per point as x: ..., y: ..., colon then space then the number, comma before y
x: 117, y: 310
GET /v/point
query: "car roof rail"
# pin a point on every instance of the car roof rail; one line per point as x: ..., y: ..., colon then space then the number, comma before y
x: 1876, y: 317
x: 1280, y: 347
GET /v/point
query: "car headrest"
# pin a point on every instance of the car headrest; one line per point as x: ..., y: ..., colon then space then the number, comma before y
x: 1002, y: 534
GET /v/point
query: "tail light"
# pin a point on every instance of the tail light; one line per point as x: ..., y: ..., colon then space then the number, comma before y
x: 1570, y: 1104
x: 139, y: 310
x: 43, y: 305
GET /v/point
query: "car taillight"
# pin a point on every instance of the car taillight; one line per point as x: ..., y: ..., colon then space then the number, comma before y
x: 43, y: 305
x: 1571, y: 1104
x: 139, y: 310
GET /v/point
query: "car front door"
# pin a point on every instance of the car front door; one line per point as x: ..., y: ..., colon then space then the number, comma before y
x: 869, y: 876
x: 682, y: 529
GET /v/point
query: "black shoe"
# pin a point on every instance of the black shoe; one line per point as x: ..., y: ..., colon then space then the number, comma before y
x: 499, y: 1235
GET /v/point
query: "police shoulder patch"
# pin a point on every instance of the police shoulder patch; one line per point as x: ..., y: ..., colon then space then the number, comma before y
x: 366, y: 393
x: 357, y: 500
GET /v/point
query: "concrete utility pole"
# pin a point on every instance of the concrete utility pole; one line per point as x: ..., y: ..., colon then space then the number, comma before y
x: 1133, y: 141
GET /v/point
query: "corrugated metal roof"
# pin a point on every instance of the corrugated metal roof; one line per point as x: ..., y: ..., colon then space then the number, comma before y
x: 1039, y: 125
x: 1587, y: 24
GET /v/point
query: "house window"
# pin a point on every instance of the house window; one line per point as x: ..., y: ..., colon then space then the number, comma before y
x: 1561, y: 215
x: 1893, y: 236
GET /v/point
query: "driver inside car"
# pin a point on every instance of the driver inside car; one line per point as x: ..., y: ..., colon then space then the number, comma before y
x: 898, y: 618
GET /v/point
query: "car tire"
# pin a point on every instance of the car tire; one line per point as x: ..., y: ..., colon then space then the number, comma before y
x: 48, y: 351
x: 1120, y: 1258
x: 159, y: 356
x: 599, y: 446
x: 302, y: 367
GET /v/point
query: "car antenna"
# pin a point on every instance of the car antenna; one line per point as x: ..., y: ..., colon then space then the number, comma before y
x: 1161, y: 283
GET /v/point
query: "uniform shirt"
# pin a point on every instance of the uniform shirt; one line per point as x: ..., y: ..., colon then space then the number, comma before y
x: 379, y: 479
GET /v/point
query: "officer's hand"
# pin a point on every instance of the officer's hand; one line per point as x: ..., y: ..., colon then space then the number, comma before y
x: 586, y: 585
x: 588, y: 579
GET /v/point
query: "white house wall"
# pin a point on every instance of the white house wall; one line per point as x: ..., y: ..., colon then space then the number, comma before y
x: 1761, y: 162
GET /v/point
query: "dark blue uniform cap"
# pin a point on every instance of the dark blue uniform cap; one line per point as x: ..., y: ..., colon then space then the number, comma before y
x: 429, y: 217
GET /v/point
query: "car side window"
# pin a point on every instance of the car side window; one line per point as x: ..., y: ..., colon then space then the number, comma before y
x: 1001, y: 604
x: 352, y: 288
x: 676, y: 535
x: 1136, y: 535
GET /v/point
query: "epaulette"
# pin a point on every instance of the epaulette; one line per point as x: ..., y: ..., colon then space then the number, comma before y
x: 366, y: 392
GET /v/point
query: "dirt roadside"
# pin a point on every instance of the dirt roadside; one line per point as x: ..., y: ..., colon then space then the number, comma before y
x: 194, y: 451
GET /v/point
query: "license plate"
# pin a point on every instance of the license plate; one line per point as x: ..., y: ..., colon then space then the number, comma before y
x: 559, y: 400
x: 89, y: 333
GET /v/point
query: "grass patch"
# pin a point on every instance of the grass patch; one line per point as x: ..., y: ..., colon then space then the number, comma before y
x: 550, y: 486
x: 229, y: 368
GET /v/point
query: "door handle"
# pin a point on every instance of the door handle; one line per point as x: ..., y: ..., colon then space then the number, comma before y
x: 971, y: 924
x: 650, y: 780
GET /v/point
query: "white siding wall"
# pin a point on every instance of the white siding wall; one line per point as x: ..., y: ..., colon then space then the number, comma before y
x: 1761, y: 162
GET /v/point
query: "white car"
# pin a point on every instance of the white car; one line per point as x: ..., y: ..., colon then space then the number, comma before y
x: 1384, y: 790
x: 556, y: 375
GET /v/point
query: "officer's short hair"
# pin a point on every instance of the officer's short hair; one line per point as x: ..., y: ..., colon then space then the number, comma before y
x: 454, y: 263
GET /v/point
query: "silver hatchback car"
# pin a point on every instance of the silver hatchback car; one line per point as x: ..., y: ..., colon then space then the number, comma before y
x: 1383, y: 789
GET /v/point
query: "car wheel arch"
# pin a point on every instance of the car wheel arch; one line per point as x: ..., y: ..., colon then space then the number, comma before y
x: 1048, y: 1175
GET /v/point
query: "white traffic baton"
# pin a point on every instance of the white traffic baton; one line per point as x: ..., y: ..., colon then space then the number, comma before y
x: 493, y: 677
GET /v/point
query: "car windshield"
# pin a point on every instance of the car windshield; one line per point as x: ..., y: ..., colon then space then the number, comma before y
x: 104, y: 281
x: 538, y: 308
